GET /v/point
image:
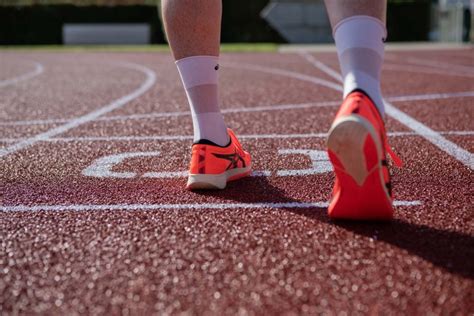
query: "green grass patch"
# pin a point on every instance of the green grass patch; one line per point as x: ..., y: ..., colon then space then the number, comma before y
x: 246, y: 47
x: 227, y: 47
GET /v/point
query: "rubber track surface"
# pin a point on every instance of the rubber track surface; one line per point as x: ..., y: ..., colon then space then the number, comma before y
x: 77, y: 242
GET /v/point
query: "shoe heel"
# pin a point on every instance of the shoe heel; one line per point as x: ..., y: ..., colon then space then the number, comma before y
x: 355, y: 152
x: 206, y: 182
x: 346, y: 141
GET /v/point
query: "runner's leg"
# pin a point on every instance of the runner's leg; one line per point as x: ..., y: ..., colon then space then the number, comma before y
x: 193, y: 30
x: 359, y: 32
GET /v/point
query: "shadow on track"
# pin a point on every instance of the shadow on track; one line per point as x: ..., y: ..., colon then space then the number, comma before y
x: 260, y: 190
x: 449, y: 250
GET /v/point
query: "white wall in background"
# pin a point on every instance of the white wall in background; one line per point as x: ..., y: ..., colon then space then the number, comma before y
x: 106, y: 34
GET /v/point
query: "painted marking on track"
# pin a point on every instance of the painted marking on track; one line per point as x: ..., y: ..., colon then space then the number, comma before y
x: 434, y: 64
x: 196, y: 206
x: 145, y: 86
x: 323, y: 67
x: 102, y: 167
x: 432, y: 136
x: 280, y: 107
x: 190, y: 137
x: 153, y: 115
x: 425, y: 70
x: 286, y: 73
x: 34, y: 122
x: 319, y: 159
x: 264, y: 173
x: 166, y: 174
x: 431, y: 96
x: 39, y: 69
x: 462, y: 155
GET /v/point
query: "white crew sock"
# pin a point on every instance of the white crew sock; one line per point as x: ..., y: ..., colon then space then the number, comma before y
x: 360, y: 48
x: 200, y: 80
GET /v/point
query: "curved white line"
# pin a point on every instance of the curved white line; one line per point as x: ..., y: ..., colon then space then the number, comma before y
x: 430, y: 64
x: 145, y: 86
x: 39, y: 69
x: 286, y: 73
x: 424, y: 70
x: 323, y: 67
x: 439, y: 64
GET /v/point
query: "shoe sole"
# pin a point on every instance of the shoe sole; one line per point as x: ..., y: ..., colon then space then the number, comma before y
x: 356, y: 153
x: 216, y: 181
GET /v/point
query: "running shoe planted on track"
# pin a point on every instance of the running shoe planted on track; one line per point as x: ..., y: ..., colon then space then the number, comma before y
x: 213, y: 166
x: 357, y: 147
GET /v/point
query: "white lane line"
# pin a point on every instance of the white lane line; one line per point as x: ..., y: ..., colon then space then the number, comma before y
x: 153, y: 115
x: 425, y: 70
x: 323, y: 67
x: 145, y: 86
x: 279, y: 107
x: 190, y: 137
x: 462, y: 155
x: 327, y: 70
x: 34, y: 122
x: 432, y: 136
x: 286, y: 73
x: 436, y: 64
x: 39, y: 69
x: 419, y: 97
x: 194, y: 206
x: 431, y: 96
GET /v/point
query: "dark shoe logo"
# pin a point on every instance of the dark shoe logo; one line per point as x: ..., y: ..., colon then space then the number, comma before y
x: 233, y: 159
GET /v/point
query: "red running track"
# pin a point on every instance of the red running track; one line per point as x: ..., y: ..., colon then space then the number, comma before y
x: 94, y: 217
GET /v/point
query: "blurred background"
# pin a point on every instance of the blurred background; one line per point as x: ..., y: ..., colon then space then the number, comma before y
x: 80, y: 22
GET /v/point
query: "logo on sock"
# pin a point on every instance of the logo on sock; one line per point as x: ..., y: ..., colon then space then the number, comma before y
x: 217, y: 67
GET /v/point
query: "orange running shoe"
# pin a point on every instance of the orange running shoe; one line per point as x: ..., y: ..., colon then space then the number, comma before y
x: 213, y: 166
x: 357, y: 146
